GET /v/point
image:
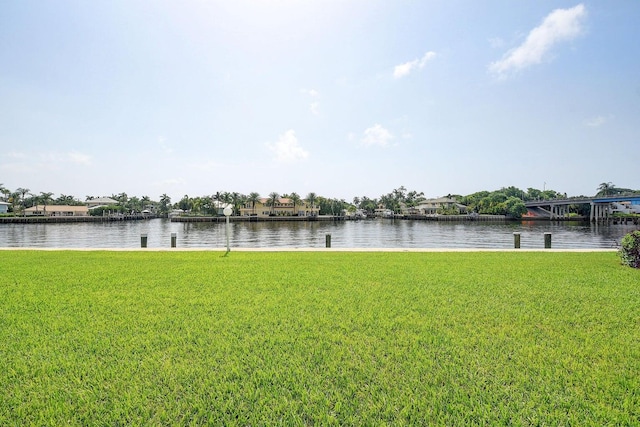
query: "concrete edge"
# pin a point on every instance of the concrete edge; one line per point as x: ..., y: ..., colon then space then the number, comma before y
x: 286, y: 249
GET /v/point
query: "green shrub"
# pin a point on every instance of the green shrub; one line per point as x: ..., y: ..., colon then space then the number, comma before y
x: 630, y: 249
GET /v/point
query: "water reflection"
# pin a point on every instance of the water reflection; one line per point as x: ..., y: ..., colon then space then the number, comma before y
x: 378, y: 233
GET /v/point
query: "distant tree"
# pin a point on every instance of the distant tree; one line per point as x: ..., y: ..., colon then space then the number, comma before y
x: 253, y: 199
x: 605, y: 189
x: 65, y: 199
x: 367, y: 205
x: 121, y: 198
x: 196, y: 205
x: 165, y: 202
x: 237, y: 200
x: 514, y: 207
x: 217, y: 197
x: 413, y: 198
x: 45, y: 198
x: 185, y: 203
x: 23, y: 192
x: 133, y: 204
x: 272, y: 200
x: 207, y: 206
x: 145, y: 202
x: 311, y: 200
x: 514, y: 192
x: 295, y: 199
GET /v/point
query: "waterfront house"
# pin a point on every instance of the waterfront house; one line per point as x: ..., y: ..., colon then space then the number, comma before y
x: 282, y: 207
x: 100, y: 201
x: 383, y: 212
x: 219, y: 206
x: 56, y: 210
x: 4, y: 207
x: 434, y: 206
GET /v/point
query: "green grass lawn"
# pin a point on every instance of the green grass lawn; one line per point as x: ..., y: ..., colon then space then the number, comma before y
x: 318, y: 338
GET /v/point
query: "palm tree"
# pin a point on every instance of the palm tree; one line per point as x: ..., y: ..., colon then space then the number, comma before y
x: 273, y: 199
x: 197, y: 205
x: 145, y: 202
x: 23, y: 191
x: 238, y: 200
x: 295, y: 199
x: 605, y: 189
x: 311, y: 199
x: 45, y: 198
x: 165, y: 201
x: 253, y: 199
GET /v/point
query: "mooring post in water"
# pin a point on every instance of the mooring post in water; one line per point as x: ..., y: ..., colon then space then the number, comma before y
x: 143, y: 240
x: 173, y: 240
x: 327, y: 240
x: 516, y: 240
x: 547, y: 240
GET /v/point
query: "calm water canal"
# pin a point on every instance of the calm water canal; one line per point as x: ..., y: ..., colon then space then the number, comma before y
x: 378, y: 233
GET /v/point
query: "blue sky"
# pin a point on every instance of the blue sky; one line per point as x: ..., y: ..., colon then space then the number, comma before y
x: 341, y: 98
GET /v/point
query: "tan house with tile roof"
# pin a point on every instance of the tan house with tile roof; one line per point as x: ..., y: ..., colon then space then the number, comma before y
x: 283, y: 207
x: 56, y: 210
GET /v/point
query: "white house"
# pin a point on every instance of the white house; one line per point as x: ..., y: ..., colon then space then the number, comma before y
x: 431, y: 206
x: 100, y: 201
x: 4, y: 207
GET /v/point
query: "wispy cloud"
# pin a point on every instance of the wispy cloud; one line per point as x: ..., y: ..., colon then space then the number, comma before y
x: 597, y: 121
x: 376, y: 135
x: 406, y: 68
x: 79, y: 158
x: 314, y: 106
x: 560, y: 25
x: 166, y: 148
x: 287, y: 149
x: 16, y: 155
x: 45, y: 161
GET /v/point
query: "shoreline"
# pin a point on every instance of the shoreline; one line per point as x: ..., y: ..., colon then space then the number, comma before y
x: 296, y: 249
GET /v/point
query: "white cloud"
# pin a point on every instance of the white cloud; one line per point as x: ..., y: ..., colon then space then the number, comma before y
x: 597, y: 121
x: 311, y: 92
x: 314, y: 107
x: 16, y: 155
x: 376, y: 135
x: 406, y: 68
x: 79, y: 158
x: 560, y: 25
x: 287, y: 148
x: 162, y: 142
x: 496, y: 42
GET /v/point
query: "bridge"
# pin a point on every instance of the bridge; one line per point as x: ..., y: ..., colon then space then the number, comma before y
x: 601, y: 207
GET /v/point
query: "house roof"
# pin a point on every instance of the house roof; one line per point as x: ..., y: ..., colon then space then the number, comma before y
x: 101, y: 201
x: 4, y: 203
x: 281, y: 200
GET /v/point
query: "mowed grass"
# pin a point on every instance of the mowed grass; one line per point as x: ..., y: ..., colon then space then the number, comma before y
x: 324, y: 338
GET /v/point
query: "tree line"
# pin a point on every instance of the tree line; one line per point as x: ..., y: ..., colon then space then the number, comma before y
x: 505, y: 201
